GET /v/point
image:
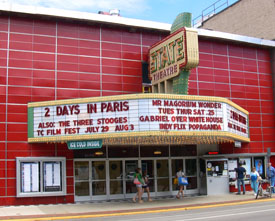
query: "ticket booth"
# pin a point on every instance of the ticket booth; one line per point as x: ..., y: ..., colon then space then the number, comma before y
x: 217, y: 177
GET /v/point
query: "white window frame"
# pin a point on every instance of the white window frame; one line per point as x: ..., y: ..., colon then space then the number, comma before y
x: 40, y: 161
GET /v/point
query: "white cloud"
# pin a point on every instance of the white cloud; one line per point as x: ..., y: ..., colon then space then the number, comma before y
x: 125, y: 6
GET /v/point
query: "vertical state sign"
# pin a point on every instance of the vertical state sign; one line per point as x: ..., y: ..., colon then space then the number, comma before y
x: 176, y: 52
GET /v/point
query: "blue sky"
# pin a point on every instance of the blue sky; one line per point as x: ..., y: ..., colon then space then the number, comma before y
x: 153, y: 10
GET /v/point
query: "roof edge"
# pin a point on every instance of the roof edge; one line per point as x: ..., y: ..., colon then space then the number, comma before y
x: 107, y: 19
x: 61, y: 13
x: 235, y: 37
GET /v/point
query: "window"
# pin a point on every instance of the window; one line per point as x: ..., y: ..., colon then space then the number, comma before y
x: 259, y: 163
x: 40, y: 176
x: 122, y: 151
x: 154, y: 151
x: 183, y: 150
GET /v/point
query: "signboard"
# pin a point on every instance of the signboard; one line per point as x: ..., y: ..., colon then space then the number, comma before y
x: 246, y: 163
x: 79, y: 145
x: 232, y: 165
x: 177, y: 51
x: 52, y: 176
x: 238, y: 144
x: 133, y: 115
x: 29, y: 177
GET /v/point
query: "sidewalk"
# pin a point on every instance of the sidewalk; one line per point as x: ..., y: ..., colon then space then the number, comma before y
x: 117, y: 206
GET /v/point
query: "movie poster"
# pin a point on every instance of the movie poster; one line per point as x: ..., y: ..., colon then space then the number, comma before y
x: 259, y: 166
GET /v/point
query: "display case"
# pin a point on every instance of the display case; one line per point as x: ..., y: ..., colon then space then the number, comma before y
x: 40, y: 176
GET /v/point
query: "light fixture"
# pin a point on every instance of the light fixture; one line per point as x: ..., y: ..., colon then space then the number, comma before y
x: 157, y: 152
x: 98, y: 153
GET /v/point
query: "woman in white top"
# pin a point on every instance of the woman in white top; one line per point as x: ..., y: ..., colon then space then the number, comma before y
x: 254, y: 177
x: 180, y: 174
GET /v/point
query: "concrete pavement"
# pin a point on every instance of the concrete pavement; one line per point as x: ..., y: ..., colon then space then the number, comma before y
x: 117, y: 206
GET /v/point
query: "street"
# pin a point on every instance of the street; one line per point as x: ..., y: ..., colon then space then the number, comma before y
x: 251, y: 211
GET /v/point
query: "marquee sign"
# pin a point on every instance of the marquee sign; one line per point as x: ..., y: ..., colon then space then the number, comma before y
x: 177, y: 51
x: 135, y: 115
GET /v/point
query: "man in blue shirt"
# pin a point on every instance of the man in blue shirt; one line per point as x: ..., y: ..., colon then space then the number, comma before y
x: 271, y: 175
x: 240, y: 172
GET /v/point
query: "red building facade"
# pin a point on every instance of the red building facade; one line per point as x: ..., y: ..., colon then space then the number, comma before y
x: 51, y: 58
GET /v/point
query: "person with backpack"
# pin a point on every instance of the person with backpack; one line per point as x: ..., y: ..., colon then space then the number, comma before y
x: 254, y: 178
x: 240, y: 173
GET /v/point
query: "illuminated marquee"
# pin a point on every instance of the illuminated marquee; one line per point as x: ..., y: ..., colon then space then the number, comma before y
x: 135, y: 115
x: 169, y: 56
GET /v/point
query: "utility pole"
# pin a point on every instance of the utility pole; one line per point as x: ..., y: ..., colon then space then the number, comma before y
x: 268, y: 155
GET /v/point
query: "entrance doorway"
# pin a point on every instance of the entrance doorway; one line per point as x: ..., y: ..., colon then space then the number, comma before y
x: 90, y: 179
x: 113, y: 178
x: 121, y: 175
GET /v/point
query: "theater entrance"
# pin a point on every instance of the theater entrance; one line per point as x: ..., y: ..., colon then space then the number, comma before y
x: 113, y: 178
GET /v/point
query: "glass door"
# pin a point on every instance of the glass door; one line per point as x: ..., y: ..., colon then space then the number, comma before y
x: 116, y: 178
x: 191, y: 174
x: 82, y: 180
x: 98, y: 181
x: 148, y: 167
x: 129, y: 171
x: 189, y: 167
x: 176, y: 164
x: 162, y: 169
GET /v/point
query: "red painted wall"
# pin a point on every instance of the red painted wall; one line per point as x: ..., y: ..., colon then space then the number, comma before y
x: 243, y: 75
x: 50, y: 60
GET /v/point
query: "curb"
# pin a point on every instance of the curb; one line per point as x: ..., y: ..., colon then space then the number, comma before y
x: 134, y: 211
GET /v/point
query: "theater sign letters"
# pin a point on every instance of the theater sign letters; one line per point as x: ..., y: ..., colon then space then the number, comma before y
x: 135, y: 115
x: 175, y: 52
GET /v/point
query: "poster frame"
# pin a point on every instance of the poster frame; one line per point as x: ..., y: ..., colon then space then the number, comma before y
x: 41, y: 190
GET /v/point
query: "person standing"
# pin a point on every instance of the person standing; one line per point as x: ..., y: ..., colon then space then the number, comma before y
x: 254, y: 177
x: 240, y: 173
x: 138, y: 176
x: 271, y: 175
x: 145, y: 187
x: 180, y: 174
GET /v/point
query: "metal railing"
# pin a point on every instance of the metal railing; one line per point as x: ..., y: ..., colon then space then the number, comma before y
x: 210, y: 11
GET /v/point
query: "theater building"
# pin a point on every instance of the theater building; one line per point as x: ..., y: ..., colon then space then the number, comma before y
x: 78, y: 112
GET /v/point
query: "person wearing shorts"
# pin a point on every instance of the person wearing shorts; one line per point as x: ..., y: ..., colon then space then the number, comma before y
x: 138, y: 175
x: 145, y: 186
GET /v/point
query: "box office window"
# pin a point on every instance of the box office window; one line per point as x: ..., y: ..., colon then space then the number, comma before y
x: 40, y: 176
x: 217, y: 168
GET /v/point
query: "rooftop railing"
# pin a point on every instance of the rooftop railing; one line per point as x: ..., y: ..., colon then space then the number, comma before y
x: 213, y: 9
